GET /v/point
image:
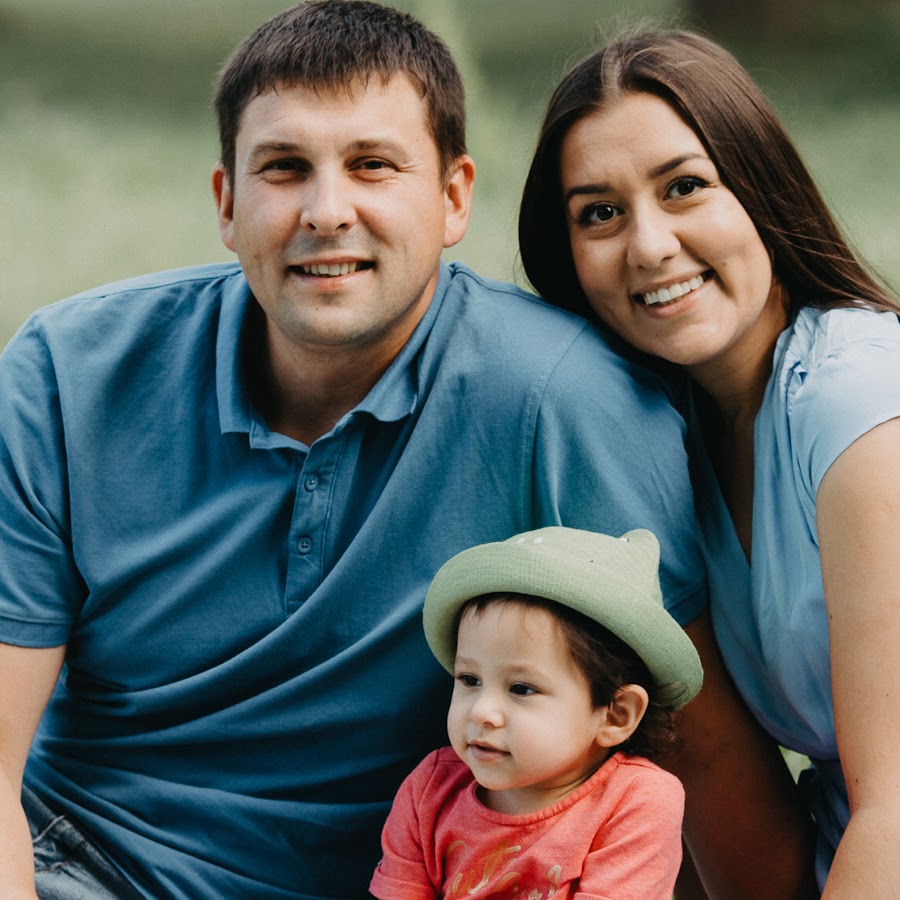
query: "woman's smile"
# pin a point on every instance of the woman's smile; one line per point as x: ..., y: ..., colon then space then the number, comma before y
x: 666, y: 255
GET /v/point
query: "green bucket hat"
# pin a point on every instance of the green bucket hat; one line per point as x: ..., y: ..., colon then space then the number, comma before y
x: 614, y: 581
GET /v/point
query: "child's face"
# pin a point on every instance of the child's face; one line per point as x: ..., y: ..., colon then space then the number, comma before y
x: 521, y: 716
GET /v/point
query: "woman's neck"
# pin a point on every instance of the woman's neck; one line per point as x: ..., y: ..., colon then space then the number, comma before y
x: 732, y: 390
x: 735, y: 380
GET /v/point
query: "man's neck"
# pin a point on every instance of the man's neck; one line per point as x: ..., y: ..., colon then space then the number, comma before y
x: 303, y: 393
x: 307, y: 405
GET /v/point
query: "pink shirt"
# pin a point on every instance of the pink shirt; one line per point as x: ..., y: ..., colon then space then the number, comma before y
x: 616, y: 837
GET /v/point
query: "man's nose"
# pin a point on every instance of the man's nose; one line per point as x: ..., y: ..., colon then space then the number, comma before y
x: 328, y: 205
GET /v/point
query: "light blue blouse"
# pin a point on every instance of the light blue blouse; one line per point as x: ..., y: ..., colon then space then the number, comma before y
x: 836, y: 375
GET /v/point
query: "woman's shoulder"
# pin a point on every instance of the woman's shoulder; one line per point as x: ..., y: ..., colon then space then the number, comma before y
x: 841, y: 345
x: 836, y: 375
x: 817, y: 335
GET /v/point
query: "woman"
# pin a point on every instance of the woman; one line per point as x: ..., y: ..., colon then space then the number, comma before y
x: 666, y: 199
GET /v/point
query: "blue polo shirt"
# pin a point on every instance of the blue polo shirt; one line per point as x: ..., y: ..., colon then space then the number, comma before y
x: 246, y: 681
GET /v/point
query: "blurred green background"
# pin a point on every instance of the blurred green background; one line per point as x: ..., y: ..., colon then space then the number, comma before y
x: 107, y: 139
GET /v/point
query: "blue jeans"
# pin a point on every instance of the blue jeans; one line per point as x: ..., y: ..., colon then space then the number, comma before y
x: 67, y: 866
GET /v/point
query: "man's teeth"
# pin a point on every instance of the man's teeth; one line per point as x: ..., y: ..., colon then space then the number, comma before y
x: 331, y: 270
x: 673, y: 292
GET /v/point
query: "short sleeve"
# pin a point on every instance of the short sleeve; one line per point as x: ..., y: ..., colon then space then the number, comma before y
x: 40, y: 587
x: 402, y: 871
x: 637, y: 854
x: 611, y: 456
x: 848, y: 383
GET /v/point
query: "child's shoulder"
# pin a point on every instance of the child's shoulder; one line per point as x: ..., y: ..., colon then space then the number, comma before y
x: 442, y: 758
x: 441, y: 766
x: 640, y: 771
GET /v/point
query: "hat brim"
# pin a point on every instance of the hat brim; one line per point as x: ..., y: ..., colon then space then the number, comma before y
x: 594, y: 586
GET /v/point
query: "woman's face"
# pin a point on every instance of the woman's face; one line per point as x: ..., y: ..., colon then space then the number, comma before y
x: 666, y: 255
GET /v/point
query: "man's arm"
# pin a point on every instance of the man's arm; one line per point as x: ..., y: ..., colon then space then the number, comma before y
x: 27, y: 678
x: 746, y: 827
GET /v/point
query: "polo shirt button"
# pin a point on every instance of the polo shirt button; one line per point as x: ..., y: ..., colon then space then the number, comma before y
x: 304, y: 545
x: 312, y: 482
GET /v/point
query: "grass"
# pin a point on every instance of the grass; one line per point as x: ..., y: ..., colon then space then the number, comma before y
x: 108, y: 140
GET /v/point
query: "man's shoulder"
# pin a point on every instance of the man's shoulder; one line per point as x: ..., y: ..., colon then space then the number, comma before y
x: 171, y: 311
x: 526, y: 333
x: 502, y: 296
x: 520, y: 325
x: 160, y: 296
x: 188, y: 277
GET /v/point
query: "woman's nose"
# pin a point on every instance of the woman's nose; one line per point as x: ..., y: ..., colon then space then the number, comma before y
x: 652, y: 239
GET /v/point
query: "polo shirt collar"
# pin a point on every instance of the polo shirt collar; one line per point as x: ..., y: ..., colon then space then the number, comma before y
x: 393, y: 397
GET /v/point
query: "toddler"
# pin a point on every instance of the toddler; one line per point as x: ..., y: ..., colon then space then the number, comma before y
x: 568, y: 671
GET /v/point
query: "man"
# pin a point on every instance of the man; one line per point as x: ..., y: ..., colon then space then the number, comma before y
x: 224, y: 490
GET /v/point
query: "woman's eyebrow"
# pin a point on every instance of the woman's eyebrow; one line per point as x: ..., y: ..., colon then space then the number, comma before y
x: 672, y: 164
x: 662, y: 169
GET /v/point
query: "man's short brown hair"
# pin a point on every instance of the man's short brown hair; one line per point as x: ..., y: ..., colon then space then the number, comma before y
x: 338, y: 45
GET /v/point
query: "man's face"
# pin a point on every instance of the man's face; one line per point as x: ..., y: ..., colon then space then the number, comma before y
x: 338, y: 212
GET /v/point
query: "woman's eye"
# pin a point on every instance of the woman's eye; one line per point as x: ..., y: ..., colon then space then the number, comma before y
x: 598, y: 214
x: 683, y: 187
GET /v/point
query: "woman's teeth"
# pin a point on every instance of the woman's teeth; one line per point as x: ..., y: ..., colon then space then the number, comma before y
x: 673, y: 292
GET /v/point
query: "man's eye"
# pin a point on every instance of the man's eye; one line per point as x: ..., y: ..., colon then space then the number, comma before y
x: 279, y: 169
x: 373, y: 165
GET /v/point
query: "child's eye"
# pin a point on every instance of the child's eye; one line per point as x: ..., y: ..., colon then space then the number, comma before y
x: 467, y: 680
x: 522, y: 690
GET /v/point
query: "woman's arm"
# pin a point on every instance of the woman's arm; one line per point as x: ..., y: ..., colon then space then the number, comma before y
x: 858, y: 518
x: 746, y: 827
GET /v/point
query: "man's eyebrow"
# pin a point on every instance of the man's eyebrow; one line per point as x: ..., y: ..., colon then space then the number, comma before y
x: 662, y: 169
x: 362, y: 145
x: 380, y: 145
x: 269, y: 148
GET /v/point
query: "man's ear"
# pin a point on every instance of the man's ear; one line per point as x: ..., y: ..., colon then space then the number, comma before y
x: 458, y: 199
x: 224, y: 197
x: 623, y: 715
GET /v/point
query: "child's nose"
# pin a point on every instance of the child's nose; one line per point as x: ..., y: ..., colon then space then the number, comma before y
x: 486, y: 710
